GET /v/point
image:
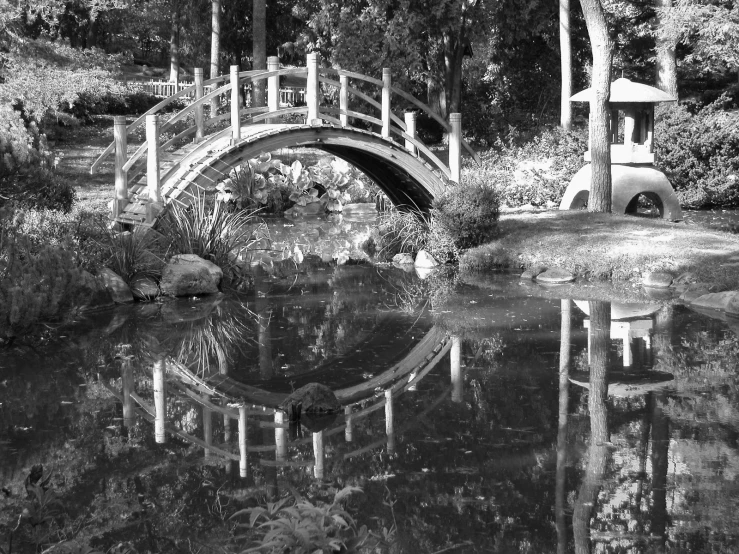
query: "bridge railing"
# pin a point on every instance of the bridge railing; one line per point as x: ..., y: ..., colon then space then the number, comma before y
x: 230, y: 90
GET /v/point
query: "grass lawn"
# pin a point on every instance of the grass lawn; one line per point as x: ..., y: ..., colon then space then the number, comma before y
x: 606, y: 246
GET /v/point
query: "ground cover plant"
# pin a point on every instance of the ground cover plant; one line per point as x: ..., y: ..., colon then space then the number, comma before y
x: 608, y: 246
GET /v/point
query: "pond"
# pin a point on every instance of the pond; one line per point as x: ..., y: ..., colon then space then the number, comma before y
x: 479, y: 416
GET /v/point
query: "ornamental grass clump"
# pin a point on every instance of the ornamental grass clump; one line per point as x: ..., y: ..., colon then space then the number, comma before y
x: 401, y: 232
x: 210, y: 230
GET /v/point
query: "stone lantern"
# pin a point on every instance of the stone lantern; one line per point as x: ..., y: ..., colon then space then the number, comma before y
x: 632, y: 153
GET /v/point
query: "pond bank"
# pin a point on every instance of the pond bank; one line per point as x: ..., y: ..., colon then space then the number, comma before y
x: 609, y: 247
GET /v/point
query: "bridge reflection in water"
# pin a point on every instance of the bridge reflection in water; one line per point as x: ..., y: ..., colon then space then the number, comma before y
x: 255, y: 408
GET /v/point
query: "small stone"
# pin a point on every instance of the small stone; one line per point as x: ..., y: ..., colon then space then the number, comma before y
x: 144, y: 287
x: 426, y: 260
x: 732, y: 307
x: 657, y: 279
x: 555, y: 275
x: 117, y: 287
x: 687, y: 278
x: 693, y: 292
x: 715, y: 300
x: 531, y: 273
x: 93, y: 293
x: 403, y: 258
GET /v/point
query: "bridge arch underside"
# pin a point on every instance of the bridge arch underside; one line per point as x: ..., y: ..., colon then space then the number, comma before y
x: 406, y: 179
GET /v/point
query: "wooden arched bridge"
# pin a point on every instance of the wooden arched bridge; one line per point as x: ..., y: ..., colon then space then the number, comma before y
x: 250, y: 406
x: 174, y: 164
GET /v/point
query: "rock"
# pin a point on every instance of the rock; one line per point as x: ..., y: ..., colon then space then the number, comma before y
x: 555, y: 275
x: 715, y: 300
x: 423, y: 272
x: 360, y: 208
x: 531, y: 273
x: 732, y: 307
x: 116, y: 286
x: 190, y: 275
x: 657, y: 279
x: 693, y: 292
x: 403, y: 258
x: 144, y: 287
x: 183, y: 311
x: 425, y: 260
x: 93, y: 293
x: 309, y: 209
x: 313, y: 398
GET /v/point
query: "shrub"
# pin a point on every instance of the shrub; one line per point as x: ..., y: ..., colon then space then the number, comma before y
x: 34, y: 284
x: 535, y: 171
x: 699, y: 153
x: 467, y: 214
x: 132, y: 253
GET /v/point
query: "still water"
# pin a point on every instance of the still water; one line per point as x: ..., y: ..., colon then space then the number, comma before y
x: 485, y: 417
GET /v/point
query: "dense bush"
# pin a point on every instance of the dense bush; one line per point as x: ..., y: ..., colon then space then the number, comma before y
x: 467, y: 214
x: 535, y: 171
x: 35, y: 283
x: 400, y: 232
x: 698, y: 149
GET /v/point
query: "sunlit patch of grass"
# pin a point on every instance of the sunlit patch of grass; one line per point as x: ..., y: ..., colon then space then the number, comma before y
x: 607, y: 246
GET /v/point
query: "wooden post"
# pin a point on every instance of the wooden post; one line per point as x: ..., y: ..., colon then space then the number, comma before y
x: 629, y: 116
x: 650, y: 131
x: 410, y: 130
x: 128, y: 386
x: 455, y: 361
x: 242, y: 442
x: 312, y: 90
x: 455, y: 146
x: 120, y: 138
x: 344, y: 100
x: 207, y: 429
x: 318, y: 455
x: 199, y: 93
x: 160, y: 402
x: 280, y: 437
x: 348, y: 431
x: 152, y: 158
x: 389, y: 423
x: 273, y: 87
x: 235, y: 108
x: 386, y: 84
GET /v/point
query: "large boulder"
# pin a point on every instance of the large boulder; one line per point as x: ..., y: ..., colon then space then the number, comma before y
x: 93, y: 293
x: 313, y: 398
x: 555, y: 275
x: 657, y: 279
x: 117, y: 287
x: 190, y: 275
x: 715, y: 300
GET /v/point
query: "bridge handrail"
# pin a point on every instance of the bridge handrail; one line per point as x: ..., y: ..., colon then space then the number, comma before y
x: 395, y: 90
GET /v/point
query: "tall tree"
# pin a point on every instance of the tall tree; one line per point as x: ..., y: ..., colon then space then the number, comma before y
x: 565, y: 48
x: 601, y: 46
x: 666, y: 59
x: 174, y: 44
x: 215, y: 47
x: 259, y: 47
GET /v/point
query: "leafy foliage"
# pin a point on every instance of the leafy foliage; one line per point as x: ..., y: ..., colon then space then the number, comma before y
x: 133, y: 253
x: 534, y: 171
x: 699, y: 153
x: 299, y: 526
x: 401, y: 232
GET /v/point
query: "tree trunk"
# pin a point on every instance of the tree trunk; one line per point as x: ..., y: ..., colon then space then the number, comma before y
x: 600, y: 145
x: 259, y: 48
x: 92, y: 31
x: 560, y: 493
x: 565, y: 54
x: 215, y: 48
x: 600, y: 329
x: 174, y: 46
x: 666, y: 64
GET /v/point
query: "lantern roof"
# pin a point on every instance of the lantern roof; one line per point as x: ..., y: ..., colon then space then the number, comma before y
x: 626, y: 91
